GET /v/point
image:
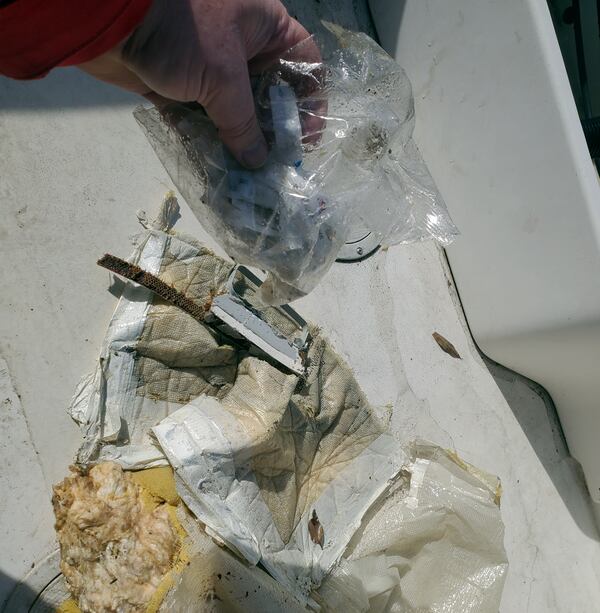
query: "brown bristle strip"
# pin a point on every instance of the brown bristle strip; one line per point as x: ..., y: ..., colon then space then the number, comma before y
x: 153, y: 283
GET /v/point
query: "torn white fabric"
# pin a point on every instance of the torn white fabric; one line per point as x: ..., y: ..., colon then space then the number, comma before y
x: 154, y: 357
x: 106, y: 401
x: 212, y: 451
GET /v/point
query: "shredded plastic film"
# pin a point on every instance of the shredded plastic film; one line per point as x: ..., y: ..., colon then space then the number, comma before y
x: 342, y: 164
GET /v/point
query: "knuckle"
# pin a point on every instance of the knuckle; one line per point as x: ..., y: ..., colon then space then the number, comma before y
x: 224, y: 70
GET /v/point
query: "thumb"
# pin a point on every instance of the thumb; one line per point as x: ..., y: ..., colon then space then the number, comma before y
x: 229, y: 103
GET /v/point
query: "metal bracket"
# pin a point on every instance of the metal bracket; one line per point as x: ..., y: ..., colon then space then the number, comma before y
x: 360, y: 246
x: 242, y: 320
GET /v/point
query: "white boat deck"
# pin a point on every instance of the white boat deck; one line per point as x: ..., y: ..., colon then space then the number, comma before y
x: 74, y: 168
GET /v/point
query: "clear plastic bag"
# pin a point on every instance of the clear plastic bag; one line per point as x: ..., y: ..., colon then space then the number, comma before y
x: 341, y: 159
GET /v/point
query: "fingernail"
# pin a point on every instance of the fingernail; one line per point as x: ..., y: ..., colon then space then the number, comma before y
x: 255, y: 156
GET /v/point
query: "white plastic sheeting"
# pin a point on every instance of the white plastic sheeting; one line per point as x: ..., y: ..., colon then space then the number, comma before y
x: 434, y: 543
x: 257, y: 450
x: 212, y: 453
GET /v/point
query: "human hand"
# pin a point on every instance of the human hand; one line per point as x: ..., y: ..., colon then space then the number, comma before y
x: 204, y: 51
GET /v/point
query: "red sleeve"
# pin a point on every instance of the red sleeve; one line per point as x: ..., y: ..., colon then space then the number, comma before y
x: 37, y: 35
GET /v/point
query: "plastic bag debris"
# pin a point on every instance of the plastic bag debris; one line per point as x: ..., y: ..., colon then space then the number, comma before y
x: 433, y: 543
x: 342, y: 160
x: 257, y: 469
x: 258, y: 453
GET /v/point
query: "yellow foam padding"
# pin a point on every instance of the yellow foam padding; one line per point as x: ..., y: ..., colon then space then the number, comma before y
x: 159, y: 482
x: 180, y: 561
x: 68, y: 606
x: 158, y: 487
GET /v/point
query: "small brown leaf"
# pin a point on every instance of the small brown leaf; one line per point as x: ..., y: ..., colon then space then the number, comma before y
x: 315, y: 529
x: 446, y: 345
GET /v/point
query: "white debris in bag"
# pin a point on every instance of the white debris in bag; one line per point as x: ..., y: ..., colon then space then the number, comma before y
x: 342, y: 157
x: 286, y: 125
